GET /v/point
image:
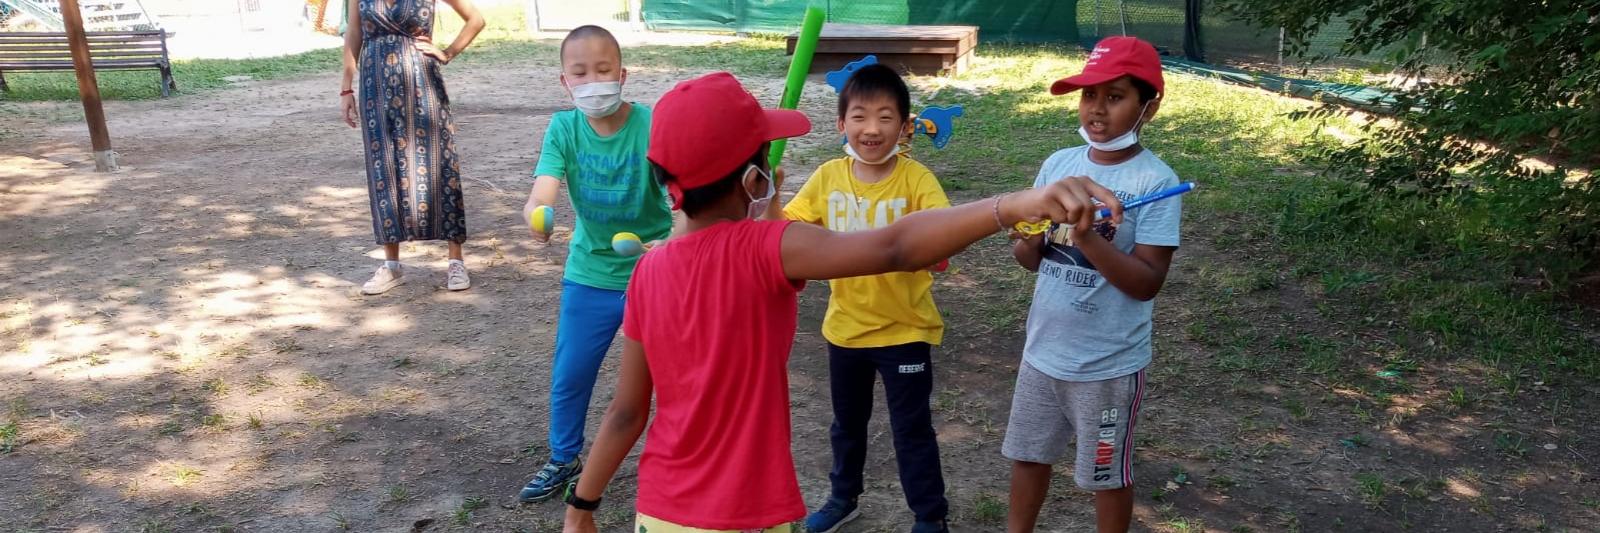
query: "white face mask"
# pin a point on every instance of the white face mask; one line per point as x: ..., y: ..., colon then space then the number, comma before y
x: 758, y: 206
x: 851, y: 151
x: 1121, y: 142
x: 599, y: 99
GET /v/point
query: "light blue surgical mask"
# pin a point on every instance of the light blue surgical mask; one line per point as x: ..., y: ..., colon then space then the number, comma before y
x: 1121, y: 142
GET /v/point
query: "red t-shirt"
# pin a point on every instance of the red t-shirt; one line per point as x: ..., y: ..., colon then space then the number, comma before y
x: 717, y: 317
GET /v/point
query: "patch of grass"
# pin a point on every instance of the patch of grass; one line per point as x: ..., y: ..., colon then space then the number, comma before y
x: 1184, y: 525
x: 170, y: 427
x: 1458, y: 398
x: 285, y: 345
x: 1223, y: 481
x: 1420, y: 489
x: 1339, y: 281
x: 1371, y: 487
x: 463, y: 514
x: 989, y: 509
x: 253, y: 420
x: 311, y: 381
x: 238, y: 351
x: 1297, y: 409
x: 216, y: 421
x: 216, y: 386
x: 151, y: 525
x: 399, y: 493
x: 180, y: 475
x: 17, y: 409
x: 339, y: 521
x: 10, y: 433
x: 1511, y: 444
x: 259, y: 383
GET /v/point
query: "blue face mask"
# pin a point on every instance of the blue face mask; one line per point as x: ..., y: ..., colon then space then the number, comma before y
x: 1121, y: 142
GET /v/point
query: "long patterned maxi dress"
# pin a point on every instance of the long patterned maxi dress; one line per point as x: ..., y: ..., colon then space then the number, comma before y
x: 413, y: 177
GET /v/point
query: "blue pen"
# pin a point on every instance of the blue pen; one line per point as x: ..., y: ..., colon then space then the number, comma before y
x: 1157, y: 196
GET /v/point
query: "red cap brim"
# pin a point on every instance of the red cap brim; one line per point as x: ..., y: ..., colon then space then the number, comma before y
x: 1073, y: 83
x: 785, y: 123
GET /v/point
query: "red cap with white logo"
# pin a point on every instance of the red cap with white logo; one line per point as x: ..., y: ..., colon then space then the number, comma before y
x: 705, y: 128
x: 1112, y: 58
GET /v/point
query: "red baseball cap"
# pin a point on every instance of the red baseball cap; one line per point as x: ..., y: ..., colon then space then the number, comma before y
x: 707, y: 127
x: 1112, y: 58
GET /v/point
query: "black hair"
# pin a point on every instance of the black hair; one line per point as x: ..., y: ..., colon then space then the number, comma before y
x: 700, y: 198
x: 1147, y: 92
x: 587, y: 32
x: 876, y: 80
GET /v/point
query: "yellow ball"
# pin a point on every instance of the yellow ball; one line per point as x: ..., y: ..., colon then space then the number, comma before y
x: 627, y: 244
x: 542, y: 218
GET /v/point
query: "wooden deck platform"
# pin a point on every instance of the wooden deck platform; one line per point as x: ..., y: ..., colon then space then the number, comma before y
x: 928, y: 50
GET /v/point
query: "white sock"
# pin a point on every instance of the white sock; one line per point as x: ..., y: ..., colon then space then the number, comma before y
x: 458, y: 262
x: 394, y: 266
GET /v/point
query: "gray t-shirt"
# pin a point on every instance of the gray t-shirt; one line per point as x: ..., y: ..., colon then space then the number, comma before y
x: 1081, y: 328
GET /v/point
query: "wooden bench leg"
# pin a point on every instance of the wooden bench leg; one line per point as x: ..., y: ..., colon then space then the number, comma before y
x: 3, y: 86
x: 167, y: 83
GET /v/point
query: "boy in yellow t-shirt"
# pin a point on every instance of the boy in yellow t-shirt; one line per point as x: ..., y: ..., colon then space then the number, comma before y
x: 877, y: 325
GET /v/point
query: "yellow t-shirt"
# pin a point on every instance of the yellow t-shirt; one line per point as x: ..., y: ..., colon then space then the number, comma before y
x: 886, y: 309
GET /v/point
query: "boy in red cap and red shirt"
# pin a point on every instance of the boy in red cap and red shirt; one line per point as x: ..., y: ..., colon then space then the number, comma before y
x: 710, y: 315
x: 1083, y: 366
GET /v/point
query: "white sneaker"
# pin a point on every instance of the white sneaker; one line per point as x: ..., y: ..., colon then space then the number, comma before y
x: 383, y: 280
x: 455, y: 277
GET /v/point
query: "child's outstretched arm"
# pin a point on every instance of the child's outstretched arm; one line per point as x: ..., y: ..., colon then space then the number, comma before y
x: 921, y: 239
x: 544, y: 192
x: 619, y: 431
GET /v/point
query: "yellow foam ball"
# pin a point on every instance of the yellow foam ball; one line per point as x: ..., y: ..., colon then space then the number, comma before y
x: 542, y: 219
x: 627, y: 244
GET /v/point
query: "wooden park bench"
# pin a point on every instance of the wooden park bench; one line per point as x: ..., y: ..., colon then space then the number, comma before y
x: 109, y: 50
x: 916, y: 49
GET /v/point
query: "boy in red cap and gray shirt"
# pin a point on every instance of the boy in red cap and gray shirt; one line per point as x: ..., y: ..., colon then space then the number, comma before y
x: 710, y: 316
x: 1083, y: 366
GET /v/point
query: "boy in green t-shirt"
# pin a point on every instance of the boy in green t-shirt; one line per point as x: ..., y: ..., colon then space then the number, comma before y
x: 598, y: 150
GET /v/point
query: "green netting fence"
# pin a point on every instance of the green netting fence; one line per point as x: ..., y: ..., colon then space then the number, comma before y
x: 1195, y: 35
x: 1007, y: 20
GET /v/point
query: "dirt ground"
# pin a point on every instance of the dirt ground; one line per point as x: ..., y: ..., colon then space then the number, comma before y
x: 183, y: 349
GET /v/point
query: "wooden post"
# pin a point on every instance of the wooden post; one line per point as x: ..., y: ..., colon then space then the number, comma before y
x: 105, y: 160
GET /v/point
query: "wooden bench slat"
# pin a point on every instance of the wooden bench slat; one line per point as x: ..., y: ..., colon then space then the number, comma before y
x: 90, y: 36
x: 95, y: 47
x: 68, y: 57
x: 23, y: 34
x: 98, y: 64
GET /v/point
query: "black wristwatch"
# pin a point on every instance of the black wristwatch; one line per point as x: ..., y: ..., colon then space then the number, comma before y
x: 580, y: 503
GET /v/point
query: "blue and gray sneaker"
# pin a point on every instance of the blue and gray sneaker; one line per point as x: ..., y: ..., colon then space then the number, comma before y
x: 832, y: 515
x: 550, y: 481
x: 930, y: 527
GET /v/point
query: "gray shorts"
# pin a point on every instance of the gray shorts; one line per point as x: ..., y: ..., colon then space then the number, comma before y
x: 1047, y: 413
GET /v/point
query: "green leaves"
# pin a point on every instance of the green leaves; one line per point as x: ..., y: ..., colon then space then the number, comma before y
x: 1505, y: 82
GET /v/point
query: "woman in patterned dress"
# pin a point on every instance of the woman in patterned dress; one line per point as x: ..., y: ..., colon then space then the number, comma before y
x: 413, y: 176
